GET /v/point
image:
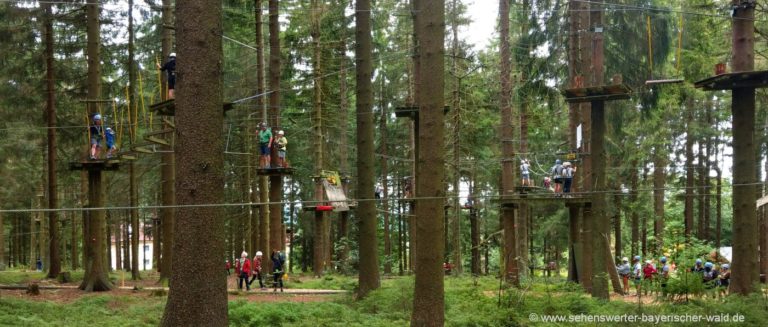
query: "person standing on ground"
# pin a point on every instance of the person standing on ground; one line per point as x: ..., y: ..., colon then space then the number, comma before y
x: 637, y: 272
x: 96, y: 134
x: 170, y: 68
x: 277, y: 264
x: 624, y: 272
x: 257, y: 270
x: 525, y: 172
x: 265, y: 145
x: 664, y: 276
x: 245, y: 272
x: 282, y: 143
x: 725, y: 279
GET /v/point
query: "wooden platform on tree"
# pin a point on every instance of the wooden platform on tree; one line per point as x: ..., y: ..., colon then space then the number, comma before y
x: 278, y: 171
x: 146, y: 147
x: 101, y: 164
x: 351, y: 205
x: 168, y: 107
x: 730, y: 81
x: 156, y: 140
x: 544, y: 199
x: 412, y: 112
x: 598, y: 93
x: 128, y: 155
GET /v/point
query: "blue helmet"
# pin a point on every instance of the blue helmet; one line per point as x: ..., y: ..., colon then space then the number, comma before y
x: 726, y: 266
x: 698, y: 261
x: 663, y: 259
x: 557, y: 161
x: 637, y: 257
x: 708, y: 265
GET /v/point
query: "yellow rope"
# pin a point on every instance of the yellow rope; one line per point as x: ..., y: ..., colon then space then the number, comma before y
x: 650, y: 46
x: 160, y: 78
x: 141, y: 96
x: 117, y: 122
x: 122, y: 116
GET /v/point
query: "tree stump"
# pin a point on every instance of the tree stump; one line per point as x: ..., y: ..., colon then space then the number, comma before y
x: 65, y: 277
x: 33, y: 289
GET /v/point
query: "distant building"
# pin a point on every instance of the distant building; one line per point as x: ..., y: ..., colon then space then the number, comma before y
x: 145, y: 247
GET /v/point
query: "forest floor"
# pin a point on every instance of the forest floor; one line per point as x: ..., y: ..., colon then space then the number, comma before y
x: 469, y: 301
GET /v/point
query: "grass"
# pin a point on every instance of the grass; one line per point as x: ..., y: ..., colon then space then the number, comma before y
x: 468, y: 302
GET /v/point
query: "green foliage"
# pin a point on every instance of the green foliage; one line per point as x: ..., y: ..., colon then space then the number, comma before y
x: 102, y: 310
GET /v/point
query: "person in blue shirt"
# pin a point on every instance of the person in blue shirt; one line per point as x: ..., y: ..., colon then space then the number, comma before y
x: 110, y: 137
x: 96, y: 134
x: 278, y: 259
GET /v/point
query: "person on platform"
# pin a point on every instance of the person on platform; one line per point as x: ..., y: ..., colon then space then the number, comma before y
x: 568, y: 171
x: 265, y: 145
x: 282, y: 144
x: 170, y: 68
x: 110, y: 137
x: 557, y: 175
x: 525, y: 172
x: 96, y: 132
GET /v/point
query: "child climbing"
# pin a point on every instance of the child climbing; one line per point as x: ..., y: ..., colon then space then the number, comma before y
x: 110, y: 137
x: 265, y: 145
x: 96, y: 134
x: 525, y: 171
x: 281, y: 142
x: 170, y: 68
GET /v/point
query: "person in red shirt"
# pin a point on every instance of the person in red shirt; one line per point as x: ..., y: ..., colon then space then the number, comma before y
x: 237, y: 268
x: 648, y: 271
x: 245, y: 272
x: 257, y: 270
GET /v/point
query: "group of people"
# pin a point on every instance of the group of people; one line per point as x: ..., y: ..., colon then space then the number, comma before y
x: 711, y: 277
x: 561, y: 173
x: 266, y: 142
x: 97, y: 132
x: 247, y: 271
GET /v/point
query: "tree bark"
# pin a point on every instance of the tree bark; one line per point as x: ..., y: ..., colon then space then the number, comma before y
x: 168, y: 169
x: 133, y: 178
x: 659, y: 181
x: 2, y: 243
x: 96, y: 279
x: 689, y: 170
x: 276, y: 239
x: 510, y: 254
x: 383, y: 141
x: 201, y: 177
x: 428, y: 299
x: 600, y: 221
x: 53, y: 219
x: 320, y: 245
x: 456, y: 104
x: 745, y: 266
x: 369, y: 261
x: 344, y: 143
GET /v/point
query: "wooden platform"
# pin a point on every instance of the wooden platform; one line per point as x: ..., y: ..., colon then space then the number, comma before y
x: 351, y: 205
x: 102, y: 164
x: 544, y: 199
x: 730, y: 81
x: 168, y: 107
x: 274, y: 171
x: 598, y: 93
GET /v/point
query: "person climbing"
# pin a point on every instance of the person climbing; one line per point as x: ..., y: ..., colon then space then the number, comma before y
x: 709, y: 275
x: 257, y: 270
x: 110, y: 137
x: 277, y: 265
x: 557, y: 175
x: 624, y: 271
x: 265, y: 145
x: 96, y: 133
x: 568, y: 170
x: 525, y: 171
x: 170, y: 68
x: 281, y: 142
x: 245, y: 272
x: 664, y: 275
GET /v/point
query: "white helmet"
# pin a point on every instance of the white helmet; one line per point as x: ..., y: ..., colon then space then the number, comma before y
x: 96, y: 117
x: 258, y: 253
x: 280, y: 133
x: 172, y: 55
x: 244, y: 255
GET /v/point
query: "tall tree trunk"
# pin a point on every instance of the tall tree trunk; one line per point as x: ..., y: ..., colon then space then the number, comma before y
x: 276, y: 239
x: 201, y: 176
x: 745, y: 268
x: 344, y: 142
x: 456, y: 104
x: 53, y: 219
x: 262, y: 217
x: 118, y: 242
x: 617, y: 239
x: 474, y: 229
x: 321, y: 247
x: 511, y: 271
x: 659, y: 181
x: 634, y: 216
x: 524, y: 211
x: 689, y: 177
x: 96, y: 266
x: 369, y: 260
x: 700, y: 190
x: 428, y: 298
x: 168, y: 168
x: 2, y: 243
x: 383, y: 141
x: 133, y: 178
x: 74, y: 256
